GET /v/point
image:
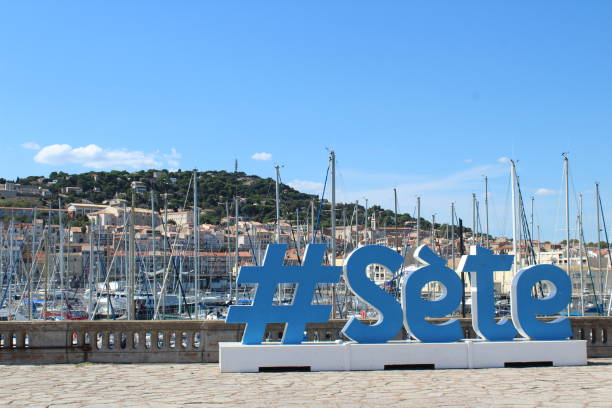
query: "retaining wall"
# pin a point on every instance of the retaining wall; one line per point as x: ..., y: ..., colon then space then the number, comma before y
x: 187, y: 341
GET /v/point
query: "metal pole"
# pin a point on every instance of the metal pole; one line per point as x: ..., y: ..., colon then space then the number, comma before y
x: 163, y: 294
x: 433, y: 232
x: 598, y: 210
x: 539, y: 244
x: 333, y: 225
x: 196, y: 243
x: 312, y: 220
x: 227, y: 250
x: 344, y: 230
x: 31, y: 271
x: 567, y: 215
x: 487, y: 209
x: 532, y: 230
x: 461, y: 250
x: 196, y: 236
x: 154, y: 261
x: 567, y: 223
x: 61, y: 260
x: 581, y: 243
x: 365, y: 222
x: 473, y: 218
x: 277, y: 204
x: 395, y: 219
x: 236, y: 245
x: 46, y: 266
x: 297, y: 230
x: 132, y: 264
x: 357, y: 223
x: 90, y: 277
x: 453, y: 234
x: 418, y: 223
x: 514, y: 246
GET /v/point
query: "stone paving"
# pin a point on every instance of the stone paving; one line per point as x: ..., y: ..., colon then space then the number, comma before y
x: 110, y: 385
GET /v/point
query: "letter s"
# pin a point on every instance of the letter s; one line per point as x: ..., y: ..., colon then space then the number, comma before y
x: 390, y: 319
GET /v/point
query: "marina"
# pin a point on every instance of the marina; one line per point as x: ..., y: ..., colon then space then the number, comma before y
x: 135, y: 263
x: 309, y: 204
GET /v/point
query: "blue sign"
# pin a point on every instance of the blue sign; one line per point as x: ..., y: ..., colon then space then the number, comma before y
x: 416, y: 308
x: 267, y: 277
x: 390, y: 311
x: 481, y: 263
x: 413, y: 310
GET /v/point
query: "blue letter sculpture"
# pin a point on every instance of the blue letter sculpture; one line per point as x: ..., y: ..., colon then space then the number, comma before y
x: 390, y: 311
x: 481, y: 263
x: 416, y: 309
x: 524, y: 307
x: 300, y: 311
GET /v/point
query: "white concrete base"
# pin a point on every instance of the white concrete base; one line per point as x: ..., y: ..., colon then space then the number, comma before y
x: 327, y: 356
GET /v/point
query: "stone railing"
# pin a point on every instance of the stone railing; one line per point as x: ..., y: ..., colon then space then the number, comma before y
x: 186, y: 341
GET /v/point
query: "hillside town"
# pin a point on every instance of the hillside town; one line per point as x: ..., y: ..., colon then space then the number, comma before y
x: 80, y: 259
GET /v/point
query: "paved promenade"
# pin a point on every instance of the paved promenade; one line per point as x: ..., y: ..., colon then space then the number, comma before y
x: 106, y: 385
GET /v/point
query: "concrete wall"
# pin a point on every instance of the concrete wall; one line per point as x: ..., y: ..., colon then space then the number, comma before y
x: 185, y: 341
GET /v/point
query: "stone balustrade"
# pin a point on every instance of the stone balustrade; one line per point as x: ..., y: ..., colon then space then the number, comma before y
x: 187, y: 341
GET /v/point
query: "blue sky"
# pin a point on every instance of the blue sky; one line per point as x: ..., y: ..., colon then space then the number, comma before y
x: 422, y: 96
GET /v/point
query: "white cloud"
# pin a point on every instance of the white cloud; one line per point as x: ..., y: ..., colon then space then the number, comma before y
x: 172, y: 158
x: 467, y: 160
x: 545, y: 191
x: 436, y: 191
x: 503, y: 160
x: 261, y: 156
x: 31, y: 146
x: 307, y: 186
x: 94, y: 156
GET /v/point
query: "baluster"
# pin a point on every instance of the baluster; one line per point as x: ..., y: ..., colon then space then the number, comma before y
x: 188, y: 338
x: 166, y: 342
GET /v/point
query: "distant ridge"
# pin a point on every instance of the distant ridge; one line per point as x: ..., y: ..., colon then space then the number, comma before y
x: 215, y: 188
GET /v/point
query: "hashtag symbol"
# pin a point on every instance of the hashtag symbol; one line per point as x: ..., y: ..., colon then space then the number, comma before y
x: 267, y: 277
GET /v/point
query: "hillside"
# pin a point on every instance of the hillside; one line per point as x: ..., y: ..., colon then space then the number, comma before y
x: 215, y: 189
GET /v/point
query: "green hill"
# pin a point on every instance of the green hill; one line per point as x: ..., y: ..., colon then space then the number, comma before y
x: 215, y: 188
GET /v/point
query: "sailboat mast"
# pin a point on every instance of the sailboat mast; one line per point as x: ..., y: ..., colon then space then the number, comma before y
x: 297, y: 230
x: 514, y: 246
x: 580, y: 246
x: 344, y: 230
x: 163, y: 293
x: 333, y: 225
x: 357, y: 223
x: 236, y: 245
x: 312, y: 220
x: 567, y: 214
x: 433, y: 232
x: 486, y: 181
x: 395, y: 218
x: 365, y: 222
x: 30, y: 271
x: 154, y: 260
x: 418, y: 222
x: 90, y: 276
x: 131, y: 264
x: 453, y: 234
x: 474, y: 218
x: 61, y: 255
x: 532, y: 230
x: 196, y: 243
x: 567, y: 222
x: 277, y: 201
x: 46, y: 268
x: 598, y: 211
x: 227, y: 250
